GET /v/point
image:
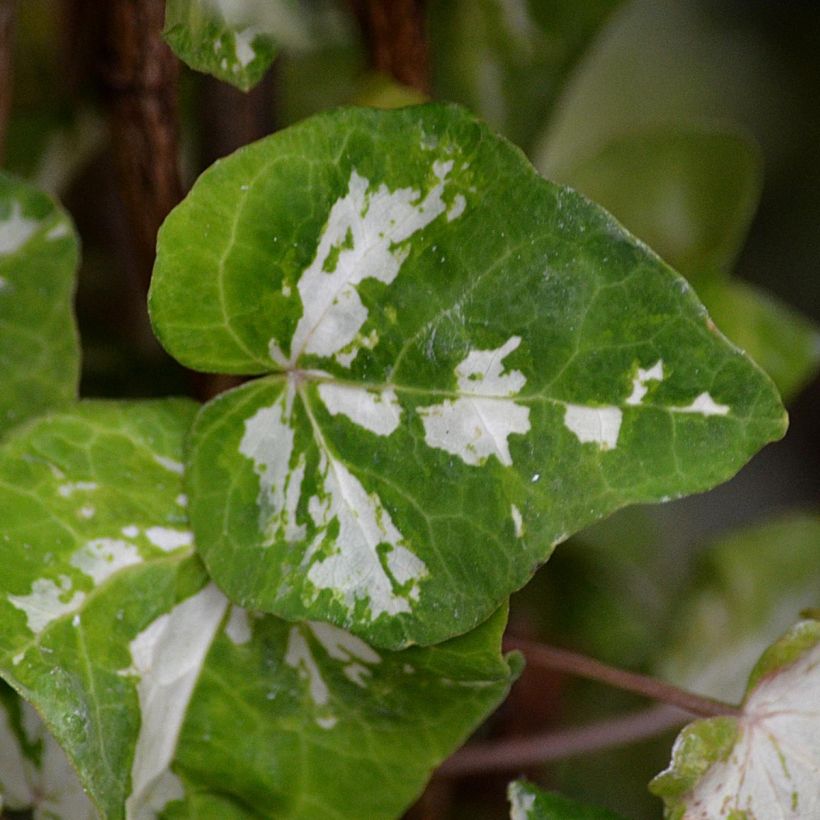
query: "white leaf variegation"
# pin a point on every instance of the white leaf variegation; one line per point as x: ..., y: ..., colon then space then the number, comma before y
x: 766, y: 762
x: 463, y: 364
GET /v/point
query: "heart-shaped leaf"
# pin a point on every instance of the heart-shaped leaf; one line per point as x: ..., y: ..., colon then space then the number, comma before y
x: 167, y: 698
x: 39, y: 350
x: 765, y: 762
x: 467, y: 364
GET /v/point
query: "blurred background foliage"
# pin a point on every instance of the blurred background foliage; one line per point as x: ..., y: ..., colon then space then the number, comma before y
x: 695, y: 122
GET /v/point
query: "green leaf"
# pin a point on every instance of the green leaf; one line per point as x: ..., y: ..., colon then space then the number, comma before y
x: 466, y: 364
x: 167, y: 698
x: 689, y: 193
x: 34, y: 771
x: 784, y: 342
x: 765, y: 762
x: 507, y: 61
x: 528, y: 802
x: 39, y: 349
x: 747, y: 589
x: 237, y: 40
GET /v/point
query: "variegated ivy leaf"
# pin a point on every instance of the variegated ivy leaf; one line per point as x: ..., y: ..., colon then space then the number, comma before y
x: 764, y: 763
x: 39, y: 350
x: 528, y: 802
x: 35, y: 774
x: 168, y: 699
x: 466, y: 364
x: 236, y: 40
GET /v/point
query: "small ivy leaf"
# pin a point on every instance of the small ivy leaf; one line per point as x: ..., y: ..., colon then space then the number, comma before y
x: 34, y: 771
x: 237, y: 41
x: 689, y: 193
x: 509, y: 61
x: 168, y: 699
x: 765, y: 762
x: 466, y: 364
x: 739, y: 601
x: 39, y: 349
x: 528, y: 802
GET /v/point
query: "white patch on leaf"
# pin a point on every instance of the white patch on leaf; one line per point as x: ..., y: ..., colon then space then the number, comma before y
x: 354, y: 570
x: 67, y: 490
x: 521, y: 801
x: 168, y: 539
x: 379, y: 412
x: 168, y: 656
x: 45, y: 603
x: 705, y: 405
x: 774, y: 768
x: 347, y: 648
x: 478, y: 424
x: 594, y: 425
x: 238, y: 627
x: 170, y: 464
x: 268, y: 443
x: 518, y: 521
x: 299, y: 657
x: 15, y: 230
x: 101, y: 558
x: 366, y: 230
x: 640, y: 380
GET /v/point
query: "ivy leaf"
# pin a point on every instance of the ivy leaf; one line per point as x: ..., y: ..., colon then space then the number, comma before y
x: 237, y: 41
x: 39, y: 349
x: 740, y: 600
x: 508, y: 61
x: 691, y: 193
x: 165, y: 697
x: 466, y: 364
x: 528, y: 802
x: 34, y: 771
x: 765, y: 762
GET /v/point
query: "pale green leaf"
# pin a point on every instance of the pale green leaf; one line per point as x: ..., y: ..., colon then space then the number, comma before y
x: 763, y: 763
x: 166, y: 697
x: 528, y: 802
x: 467, y: 363
x: 748, y: 587
x: 507, y: 60
x: 237, y: 40
x: 689, y: 193
x: 39, y: 349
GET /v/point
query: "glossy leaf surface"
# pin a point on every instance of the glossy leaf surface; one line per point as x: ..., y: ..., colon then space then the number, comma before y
x: 466, y: 363
x: 39, y: 350
x: 765, y: 762
x: 167, y: 698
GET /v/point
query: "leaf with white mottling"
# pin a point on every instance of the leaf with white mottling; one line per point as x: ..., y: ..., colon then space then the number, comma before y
x: 764, y: 763
x: 169, y: 700
x: 465, y: 364
x: 528, y: 802
x: 39, y: 350
x: 236, y: 40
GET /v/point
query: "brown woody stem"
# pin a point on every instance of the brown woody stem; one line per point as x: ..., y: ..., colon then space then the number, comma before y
x: 395, y: 35
x: 517, y: 753
x: 573, y: 663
